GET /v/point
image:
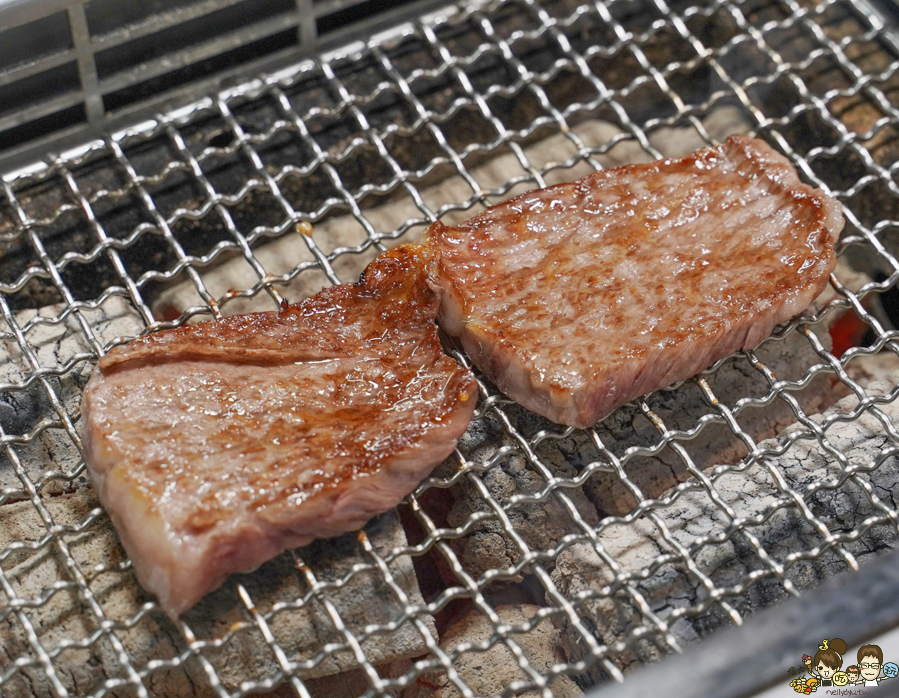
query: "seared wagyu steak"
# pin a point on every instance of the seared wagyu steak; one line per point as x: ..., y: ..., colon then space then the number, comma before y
x: 216, y: 446
x: 577, y: 298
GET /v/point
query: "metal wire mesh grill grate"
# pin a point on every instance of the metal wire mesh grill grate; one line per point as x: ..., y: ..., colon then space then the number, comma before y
x: 614, y: 544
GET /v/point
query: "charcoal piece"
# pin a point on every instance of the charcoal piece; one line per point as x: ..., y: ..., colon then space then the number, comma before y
x: 541, y: 525
x: 681, y: 408
x: 54, y: 345
x: 302, y: 632
x: 856, y: 112
x: 611, y: 609
x: 18, y: 411
x: 490, y: 672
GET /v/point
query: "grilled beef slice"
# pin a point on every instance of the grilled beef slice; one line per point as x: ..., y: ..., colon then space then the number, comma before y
x: 577, y: 298
x: 216, y: 446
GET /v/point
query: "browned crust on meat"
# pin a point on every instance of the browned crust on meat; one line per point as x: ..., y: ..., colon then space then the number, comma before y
x: 484, y: 303
x: 211, y: 466
x: 261, y: 338
x: 779, y: 171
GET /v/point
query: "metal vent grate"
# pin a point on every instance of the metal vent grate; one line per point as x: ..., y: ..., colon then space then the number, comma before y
x: 538, y: 558
x: 72, y: 68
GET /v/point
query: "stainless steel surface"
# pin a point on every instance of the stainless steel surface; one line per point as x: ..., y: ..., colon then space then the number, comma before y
x: 475, y: 73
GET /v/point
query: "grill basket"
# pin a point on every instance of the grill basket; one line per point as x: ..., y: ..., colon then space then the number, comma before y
x: 538, y: 560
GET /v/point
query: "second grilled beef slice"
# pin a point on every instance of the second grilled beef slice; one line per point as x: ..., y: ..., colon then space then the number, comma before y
x: 577, y: 298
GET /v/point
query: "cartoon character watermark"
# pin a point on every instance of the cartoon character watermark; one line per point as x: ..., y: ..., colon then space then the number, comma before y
x: 872, y: 670
x: 825, y: 669
x: 828, y: 661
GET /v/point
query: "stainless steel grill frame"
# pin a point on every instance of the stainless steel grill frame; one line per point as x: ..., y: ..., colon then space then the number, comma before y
x: 551, y: 24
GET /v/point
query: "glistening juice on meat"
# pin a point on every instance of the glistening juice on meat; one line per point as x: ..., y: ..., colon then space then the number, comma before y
x: 577, y: 298
x: 215, y: 447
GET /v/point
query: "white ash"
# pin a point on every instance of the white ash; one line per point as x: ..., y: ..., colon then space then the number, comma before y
x: 53, y: 346
x: 871, y: 368
x: 637, y: 545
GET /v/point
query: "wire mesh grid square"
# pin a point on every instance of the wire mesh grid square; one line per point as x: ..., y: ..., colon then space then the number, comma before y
x: 538, y: 560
